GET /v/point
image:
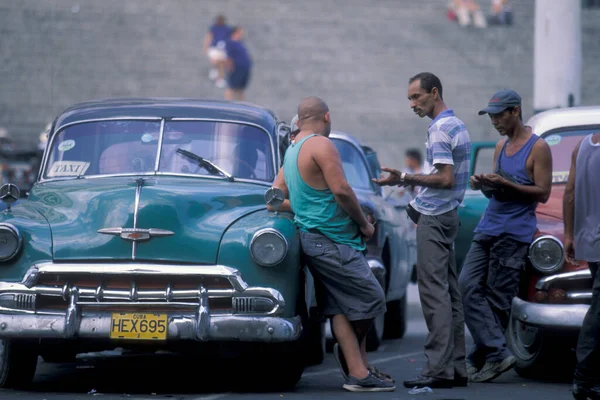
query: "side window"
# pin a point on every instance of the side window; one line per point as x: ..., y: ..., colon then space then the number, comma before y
x: 484, y: 161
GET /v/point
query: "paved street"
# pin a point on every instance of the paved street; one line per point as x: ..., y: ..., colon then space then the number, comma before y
x: 109, y: 377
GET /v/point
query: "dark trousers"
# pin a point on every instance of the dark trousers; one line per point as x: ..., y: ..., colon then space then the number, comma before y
x: 440, y: 298
x: 488, y: 282
x: 588, y: 345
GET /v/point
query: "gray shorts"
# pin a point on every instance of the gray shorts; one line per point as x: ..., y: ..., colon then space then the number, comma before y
x: 343, y: 279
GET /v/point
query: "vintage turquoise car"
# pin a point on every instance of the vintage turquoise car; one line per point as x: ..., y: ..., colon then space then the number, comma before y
x: 147, y: 225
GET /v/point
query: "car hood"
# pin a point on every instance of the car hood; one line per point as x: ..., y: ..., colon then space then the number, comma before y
x: 195, y: 212
x: 553, y: 207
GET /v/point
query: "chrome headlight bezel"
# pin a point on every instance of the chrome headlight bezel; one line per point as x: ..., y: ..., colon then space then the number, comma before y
x: 4, y: 226
x: 556, y: 266
x: 278, y: 236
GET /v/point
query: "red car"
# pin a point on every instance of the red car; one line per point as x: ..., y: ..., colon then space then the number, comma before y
x: 555, y: 295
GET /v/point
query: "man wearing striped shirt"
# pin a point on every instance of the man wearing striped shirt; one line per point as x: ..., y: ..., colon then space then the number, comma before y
x: 443, y: 185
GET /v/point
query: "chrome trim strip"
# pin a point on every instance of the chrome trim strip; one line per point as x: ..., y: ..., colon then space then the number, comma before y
x: 161, y: 133
x: 139, y: 269
x: 136, y: 207
x: 558, y: 264
x: 579, y: 295
x: 563, y: 316
x: 546, y: 282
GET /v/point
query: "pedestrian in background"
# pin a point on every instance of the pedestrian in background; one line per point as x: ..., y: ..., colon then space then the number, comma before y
x: 434, y: 210
x: 239, y: 65
x: 214, y: 47
x: 581, y: 210
x: 491, y: 272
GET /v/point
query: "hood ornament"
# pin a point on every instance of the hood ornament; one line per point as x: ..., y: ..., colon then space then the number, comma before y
x: 136, y: 234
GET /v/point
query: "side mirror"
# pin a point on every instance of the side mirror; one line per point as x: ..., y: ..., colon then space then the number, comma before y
x: 9, y: 193
x: 274, y: 197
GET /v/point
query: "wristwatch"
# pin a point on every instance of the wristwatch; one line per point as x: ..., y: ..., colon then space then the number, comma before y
x: 402, y: 176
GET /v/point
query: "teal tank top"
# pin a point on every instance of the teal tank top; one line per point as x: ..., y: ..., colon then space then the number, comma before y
x: 316, y: 209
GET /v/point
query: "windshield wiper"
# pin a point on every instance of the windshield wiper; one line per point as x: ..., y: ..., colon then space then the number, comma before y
x: 207, y: 165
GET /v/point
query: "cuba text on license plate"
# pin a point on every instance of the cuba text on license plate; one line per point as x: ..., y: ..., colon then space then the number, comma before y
x: 138, y: 326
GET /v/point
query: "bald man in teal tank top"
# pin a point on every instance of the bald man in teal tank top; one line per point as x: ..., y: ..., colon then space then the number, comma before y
x: 333, y: 231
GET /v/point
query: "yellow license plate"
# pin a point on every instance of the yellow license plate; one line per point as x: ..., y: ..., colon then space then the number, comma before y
x: 138, y: 326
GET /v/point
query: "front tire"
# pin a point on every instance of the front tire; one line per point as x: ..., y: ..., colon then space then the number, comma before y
x: 395, y: 319
x: 540, y: 353
x: 18, y: 361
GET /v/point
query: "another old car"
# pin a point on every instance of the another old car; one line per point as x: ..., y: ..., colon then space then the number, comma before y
x: 391, y: 252
x: 554, y: 295
x: 147, y: 226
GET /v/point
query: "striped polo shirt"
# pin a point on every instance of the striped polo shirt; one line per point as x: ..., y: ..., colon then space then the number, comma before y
x: 448, y: 142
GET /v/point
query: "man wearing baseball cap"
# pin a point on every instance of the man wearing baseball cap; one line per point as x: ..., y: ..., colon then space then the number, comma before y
x: 489, y: 279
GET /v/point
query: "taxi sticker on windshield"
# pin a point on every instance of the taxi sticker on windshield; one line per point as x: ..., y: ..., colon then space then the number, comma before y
x: 68, y: 168
x: 66, y: 145
x: 560, y: 176
x: 553, y: 140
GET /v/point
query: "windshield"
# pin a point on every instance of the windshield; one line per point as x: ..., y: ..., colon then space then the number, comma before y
x: 561, y: 145
x: 131, y: 147
x: 355, y: 168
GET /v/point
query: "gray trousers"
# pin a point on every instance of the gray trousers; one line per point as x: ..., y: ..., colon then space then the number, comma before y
x: 488, y: 282
x: 440, y: 297
x: 588, y: 345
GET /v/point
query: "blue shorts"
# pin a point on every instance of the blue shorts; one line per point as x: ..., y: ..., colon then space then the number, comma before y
x: 239, y: 78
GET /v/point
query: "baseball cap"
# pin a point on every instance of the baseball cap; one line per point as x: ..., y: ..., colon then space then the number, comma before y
x: 294, y: 125
x: 500, y: 101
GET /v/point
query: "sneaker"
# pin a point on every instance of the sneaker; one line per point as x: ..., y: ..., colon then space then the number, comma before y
x: 370, y: 383
x: 471, y: 369
x: 380, y: 375
x: 213, y: 74
x: 492, y: 370
x: 221, y: 83
x: 341, y: 361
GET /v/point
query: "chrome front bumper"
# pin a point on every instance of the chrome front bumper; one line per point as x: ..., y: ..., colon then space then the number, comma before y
x: 255, y: 315
x: 566, y: 316
x: 180, y: 327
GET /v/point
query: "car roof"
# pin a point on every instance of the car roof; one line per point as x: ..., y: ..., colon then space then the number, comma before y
x: 564, y: 118
x: 164, y: 107
x: 345, y: 136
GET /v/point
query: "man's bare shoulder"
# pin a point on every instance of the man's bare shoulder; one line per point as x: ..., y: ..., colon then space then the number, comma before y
x: 320, y: 144
x: 541, y: 147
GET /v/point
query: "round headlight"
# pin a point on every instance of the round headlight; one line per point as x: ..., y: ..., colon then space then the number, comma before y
x: 547, y: 254
x: 10, y: 241
x: 268, y: 247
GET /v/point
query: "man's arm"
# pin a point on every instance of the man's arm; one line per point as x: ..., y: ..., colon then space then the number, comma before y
x: 441, y: 147
x: 542, y: 176
x: 569, y: 197
x: 327, y: 157
x: 280, y: 183
x: 442, y: 179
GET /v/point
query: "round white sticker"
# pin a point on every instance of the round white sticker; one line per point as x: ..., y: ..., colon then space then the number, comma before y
x: 66, y: 145
x: 147, y: 137
x: 553, y: 140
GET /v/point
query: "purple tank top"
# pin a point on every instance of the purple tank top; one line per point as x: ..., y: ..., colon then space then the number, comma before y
x: 515, y: 218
